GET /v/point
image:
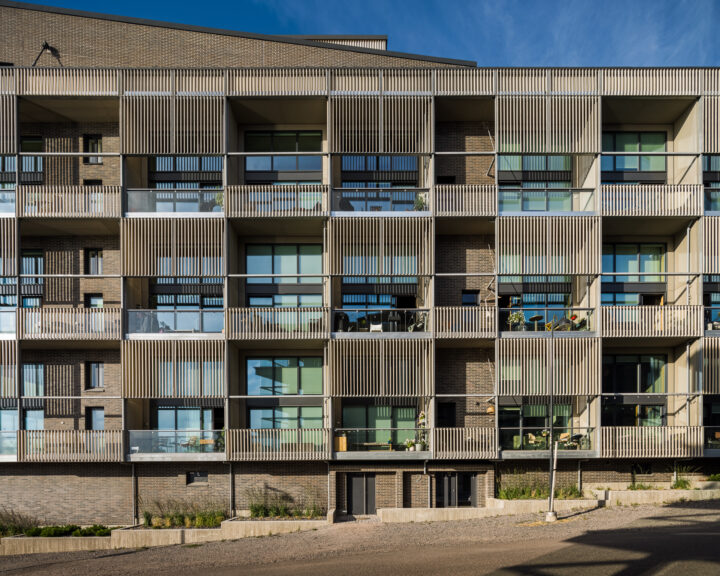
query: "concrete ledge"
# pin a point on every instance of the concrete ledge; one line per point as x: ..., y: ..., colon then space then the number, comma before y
x: 535, y: 506
x: 629, y: 497
x: 233, y: 529
x: 395, y: 515
x: 25, y: 545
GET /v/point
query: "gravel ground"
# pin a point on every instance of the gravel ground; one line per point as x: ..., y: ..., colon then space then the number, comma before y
x: 365, y: 539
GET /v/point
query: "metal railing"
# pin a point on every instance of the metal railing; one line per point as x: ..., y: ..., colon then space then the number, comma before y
x: 527, y: 438
x: 175, y: 441
x: 474, y: 442
x: 254, y: 201
x: 652, y: 321
x: 279, y: 444
x: 381, y: 320
x: 652, y: 200
x: 465, y: 321
x: 69, y: 201
x: 464, y: 200
x: 379, y: 200
x: 69, y: 323
x: 516, y: 200
x: 277, y: 323
x: 547, y: 319
x: 159, y: 200
x: 175, y: 321
x: 652, y: 441
x: 381, y: 439
x: 70, y: 446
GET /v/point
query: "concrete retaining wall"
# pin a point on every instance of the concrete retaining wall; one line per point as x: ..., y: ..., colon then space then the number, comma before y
x: 22, y: 545
x: 629, y: 497
x: 536, y: 506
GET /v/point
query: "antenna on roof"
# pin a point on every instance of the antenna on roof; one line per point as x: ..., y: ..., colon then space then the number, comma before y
x: 54, y: 52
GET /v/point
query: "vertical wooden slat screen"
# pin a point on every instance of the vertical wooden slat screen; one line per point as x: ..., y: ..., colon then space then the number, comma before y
x: 711, y: 249
x: 522, y: 124
x: 68, y: 81
x: 381, y: 246
x: 173, y: 369
x: 650, y: 81
x: 406, y: 125
x: 147, y: 125
x: 408, y: 80
x: 7, y: 124
x: 574, y: 124
x: 199, y: 82
x: 464, y: 81
x: 348, y: 81
x: 393, y: 368
x: 199, y: 125
x: 277, y: 81
x: 8, y: 249
x: 553, y: 245
x: 8, y: 369
x: 711, y: 366
x: 711, y: 124
x: 172, y: 246
x: 355, y: 122
x: 525, y: 370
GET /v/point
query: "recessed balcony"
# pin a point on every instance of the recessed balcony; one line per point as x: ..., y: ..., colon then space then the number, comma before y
x: 529, y: 442
x: 149, y: 445
x: 175, y: 323
x: 278, y: 323
x: 198, y: 201
x: 279, y: 444
x: 382, y: 443
x: 363, y: 322
x: 269, y: 201
x: 359, y: 200
x: 538, y: 321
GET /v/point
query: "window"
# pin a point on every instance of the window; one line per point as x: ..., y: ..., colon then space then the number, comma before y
x: 8, y: 422
x: 283, y: 142
x: 646, y: 259
x: 633, y: 142
x: 33, y: 379
x: 470, y: 297
x: 93, y: 300
x: 95, y: 419
x: 378, y: 424
x: 93, y: 261
x: 278, y: 376
x: 94, y: 375
x: 284, y: 259
x: 619, y: 413
x: 34, y: 420
x: 89, y: 182
x: 30, y: 164
x: 285, y: 417
x: 634, y: 374
x: 92, y: 143
x: 33, y: 263
x: 196, y: 478
x: 181, y: 418
x: 379, y: 171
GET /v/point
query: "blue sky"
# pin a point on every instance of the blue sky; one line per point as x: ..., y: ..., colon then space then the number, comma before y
x: 491, y: 32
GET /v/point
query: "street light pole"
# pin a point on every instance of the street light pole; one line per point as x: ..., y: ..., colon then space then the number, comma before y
x: 551, y: 515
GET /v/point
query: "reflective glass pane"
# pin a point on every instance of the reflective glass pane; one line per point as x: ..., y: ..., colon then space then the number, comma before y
x: 259, y: 376
x: 285, y: 261
x: 285, y: 142
x: 310, y: 141
x: 258, y: 142
x: 286, y: 376
x: 259, y: 261
x: 258, y: 163
x: 311, y: 375
x: 310, y: 262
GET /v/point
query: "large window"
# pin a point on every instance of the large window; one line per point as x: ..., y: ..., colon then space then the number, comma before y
x: 634, y: 374
x: 277, y: 160
x: 379, y: 171
x: 180, y: 418
x: 33, y: 262
x: 617, y: 413
x: 633, y: 262
x: 94, y: 375
x: 284, y: 259
x: 188, y: 377
x: 376, y: 425
x: 169, y: 172
x: 277, y: 376
x: 92, y: 143
x: 93, y: 261
x: 33, y: 379
x: 285, y: 417
x: 633, y: 142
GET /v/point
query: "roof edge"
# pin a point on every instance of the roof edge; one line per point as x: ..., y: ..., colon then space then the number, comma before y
x: 222, y: 32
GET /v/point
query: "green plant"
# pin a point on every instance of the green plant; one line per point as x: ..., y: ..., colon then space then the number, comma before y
x: 13, y: 523
x: 714, y: 478
x: 181, y: 514
x: 568, y: 493
x: 681, y: 484
x: 524, y: 492
x: 419, y: 203
x: 67, y: 530
x: 639, y: 486
x: 514, y: 318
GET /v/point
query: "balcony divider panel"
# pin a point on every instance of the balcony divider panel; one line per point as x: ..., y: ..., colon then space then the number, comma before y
x: 549, y: 245
x: 376, y: 368
x: 147, y: 362
x: 8, y: 121
x: 183, y: 242
x: 8, y: 369
x: 524, y: 369
x: 8, y: 247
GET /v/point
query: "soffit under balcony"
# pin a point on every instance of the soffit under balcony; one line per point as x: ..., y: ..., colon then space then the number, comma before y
x: 69, y: 227
x: 645, y: 226
x: 644, y: 110
x: 53, y: 109
x: 50, y: 344
x: 263, y: 111
x: 275, y: 347
x: 463, y: 226
x: 463, y: 109
x: 277, y: 229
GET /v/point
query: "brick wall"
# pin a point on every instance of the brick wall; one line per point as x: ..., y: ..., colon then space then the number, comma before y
x: 163, y: 482
x: 301, y: 483
x: 466, y: 371
x: 465, y: 137
x: 463, y: 254
x: 69, y: 493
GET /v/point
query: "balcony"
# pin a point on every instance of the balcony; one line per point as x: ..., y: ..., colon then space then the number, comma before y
x: 464, y: 200
x: 279, y: 445
x: 8, y: 323
x: 69, y: 323
x: 546, y: 320
x: 525, y: 201
x: 652, y: 441
x: 451, y: 443
x: 394, y: 320
x: 268, y: 201
x: 570, y: 441
x: 69, y: 201
x: 652, y: 200
x: 175, y: 322
x: 381, y: 443
x: 176, y: 445
x: 652, y: 321
x: 70, y: 446
x: 380, y: 200
x: 278, y: 323
x: 465, y: 322
x: 175, y: 201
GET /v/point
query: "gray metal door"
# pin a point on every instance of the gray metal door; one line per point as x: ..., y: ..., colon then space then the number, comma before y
x: 361, y: 494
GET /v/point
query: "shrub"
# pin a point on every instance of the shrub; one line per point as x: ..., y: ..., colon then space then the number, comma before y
x: 639, y: 486
x: 67, y: 530
x: 714, y: 478
x: 568, y: 493
x: 681, y: 484
x: 13, y: 523
x: 182, y: 514
x: 524, y: 492
x: 280, y: 505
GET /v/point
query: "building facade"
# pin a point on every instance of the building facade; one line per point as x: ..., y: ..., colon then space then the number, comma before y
x: 364, y: 279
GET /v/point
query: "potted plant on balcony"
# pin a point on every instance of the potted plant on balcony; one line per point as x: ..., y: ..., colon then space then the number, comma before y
x: 410, y: 445
x: 420, y: 203
x: 516, y: 318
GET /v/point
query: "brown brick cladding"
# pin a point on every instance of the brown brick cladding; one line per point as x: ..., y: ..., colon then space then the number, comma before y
x: 68, y: 137
x: 91, y: 42
x: 66, y: 255
x: 65, y: 375
x: 69, y: 493
x: 465, y: 137
x: 463, y: 254
x: 303, y: 484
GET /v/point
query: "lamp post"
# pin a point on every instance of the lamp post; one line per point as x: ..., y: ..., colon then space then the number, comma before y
x: 551, y: 515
